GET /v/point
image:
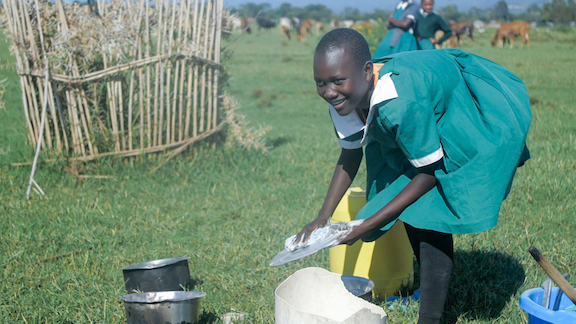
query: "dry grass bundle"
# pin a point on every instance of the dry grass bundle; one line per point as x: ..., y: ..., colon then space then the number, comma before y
x: 238, y: 130
x: 2, y: 91
x: 125, y: 77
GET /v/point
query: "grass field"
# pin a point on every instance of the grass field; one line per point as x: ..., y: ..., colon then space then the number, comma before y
x: 230, y: 210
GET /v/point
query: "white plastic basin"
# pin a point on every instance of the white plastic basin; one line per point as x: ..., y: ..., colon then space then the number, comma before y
x: 315, y: 295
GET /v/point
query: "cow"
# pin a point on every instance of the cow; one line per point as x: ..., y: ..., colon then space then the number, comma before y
x: 346, y: 23
x: 245, y: 25
x: 335, y: 23
x: 459, y: 29
x: 439, y: 33
x: 295, y: 23
x: 509, y: 31
x: 265, y: 23
x: 285, y: 26
x: 304, y: 29
x: 319, y: 27
x: 239, y: 24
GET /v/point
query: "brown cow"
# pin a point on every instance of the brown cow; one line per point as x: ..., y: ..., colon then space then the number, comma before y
x: 245, y: 25
x: 459, y: 29
x: 319, y: 27
x: 509, y: 31
x: 439, y: 33
x: 305, y: 28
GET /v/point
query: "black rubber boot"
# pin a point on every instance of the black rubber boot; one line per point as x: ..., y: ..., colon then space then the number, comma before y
x: 435, y: 272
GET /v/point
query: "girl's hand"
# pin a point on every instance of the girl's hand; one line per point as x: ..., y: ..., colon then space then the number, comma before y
x: 356, y: 233
x: 433, y: 41
x: 305, y: 233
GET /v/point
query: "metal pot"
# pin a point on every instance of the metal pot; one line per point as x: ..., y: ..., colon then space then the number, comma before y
x: 166, y: 307
x: 170, y: 274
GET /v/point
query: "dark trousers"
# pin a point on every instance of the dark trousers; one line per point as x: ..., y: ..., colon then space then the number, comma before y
x: 435, y: 255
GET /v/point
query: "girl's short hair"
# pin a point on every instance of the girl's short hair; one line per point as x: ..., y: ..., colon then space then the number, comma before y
x: 350, y: 40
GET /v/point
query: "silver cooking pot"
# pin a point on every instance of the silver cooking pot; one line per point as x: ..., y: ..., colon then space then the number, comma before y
x: 165, y: 307
x: 170, y: 274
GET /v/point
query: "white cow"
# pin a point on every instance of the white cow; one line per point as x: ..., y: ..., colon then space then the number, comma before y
x: 285, y: 26
x: 346, y: 23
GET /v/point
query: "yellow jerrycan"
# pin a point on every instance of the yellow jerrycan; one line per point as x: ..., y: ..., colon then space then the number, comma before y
x: 387, y: 261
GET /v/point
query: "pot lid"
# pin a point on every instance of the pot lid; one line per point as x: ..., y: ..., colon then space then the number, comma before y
x: 155, y: 264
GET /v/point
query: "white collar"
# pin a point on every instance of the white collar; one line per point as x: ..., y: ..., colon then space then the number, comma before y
x: 351, y: 123
x: 424, y: 14
x: 403, y: 4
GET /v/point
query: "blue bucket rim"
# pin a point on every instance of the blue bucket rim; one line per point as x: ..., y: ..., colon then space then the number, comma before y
x: 531, y: 307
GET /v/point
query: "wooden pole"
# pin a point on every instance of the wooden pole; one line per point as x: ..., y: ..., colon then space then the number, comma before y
x: 204, y: 69
x: 30, y: 107
x: 89, y: 128
x: 15, y: 32
x: 30, y: 41
x: 210, y: 37
x: 170, y: 104
x: 74, y: 124
x: 141, y: 83
x: 562, y: 283
x: 148, y: 86
x: 61, y: 116
x: 181, y: 66
x: 196, y: 41
x: 217, y: 59
x: 161, y: 100
x: 130, y: 103
x: 120, y: 101
x: 189, y: 74
x: 52, y: 106
x: 160, y: 5
x: 80, y: 103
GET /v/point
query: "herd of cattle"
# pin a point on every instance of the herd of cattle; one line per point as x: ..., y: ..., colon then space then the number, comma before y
x: 507, y: 32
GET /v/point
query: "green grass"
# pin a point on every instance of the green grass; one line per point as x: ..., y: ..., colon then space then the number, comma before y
x: 230, y: 210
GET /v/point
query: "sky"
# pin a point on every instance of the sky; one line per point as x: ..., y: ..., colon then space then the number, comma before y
x: 515, y: 6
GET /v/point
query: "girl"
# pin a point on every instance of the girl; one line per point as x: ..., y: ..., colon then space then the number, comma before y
x: 444, y: 133
x: 428, y: 24
x: 401, y: 26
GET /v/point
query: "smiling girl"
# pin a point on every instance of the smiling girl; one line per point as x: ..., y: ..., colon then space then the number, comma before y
x: 443, y: 131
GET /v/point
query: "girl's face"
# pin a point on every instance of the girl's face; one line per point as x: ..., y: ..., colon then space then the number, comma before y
x: 341, y: 83
x: 427, y: 6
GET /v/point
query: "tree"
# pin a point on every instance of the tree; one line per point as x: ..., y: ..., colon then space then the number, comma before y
x: 501, y: 11
x: 317, y: 11
x: 533, y: 13
x: 450, y: 13
x: 379, y: 13
x: 251, y: 9
x: 351, y: 14
x: 285, y: 10
x: 571, y: 11
x: 477, y: 13
x: 555, y: 11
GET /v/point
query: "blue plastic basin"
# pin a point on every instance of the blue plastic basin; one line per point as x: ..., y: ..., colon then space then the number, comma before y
x: 531, y: 303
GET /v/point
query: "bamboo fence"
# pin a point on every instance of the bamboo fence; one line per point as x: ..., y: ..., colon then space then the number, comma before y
x: 125, y: 77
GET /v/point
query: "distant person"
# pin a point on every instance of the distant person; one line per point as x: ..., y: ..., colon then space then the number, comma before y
x: 428, y: 24
x: 401, y: 25
x: 444, y: 132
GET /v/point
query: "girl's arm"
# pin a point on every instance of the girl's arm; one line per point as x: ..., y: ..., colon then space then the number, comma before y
x: 447, y: 30
x: 402, y: 24
x: 344, y: 173
x: 423, y: 182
